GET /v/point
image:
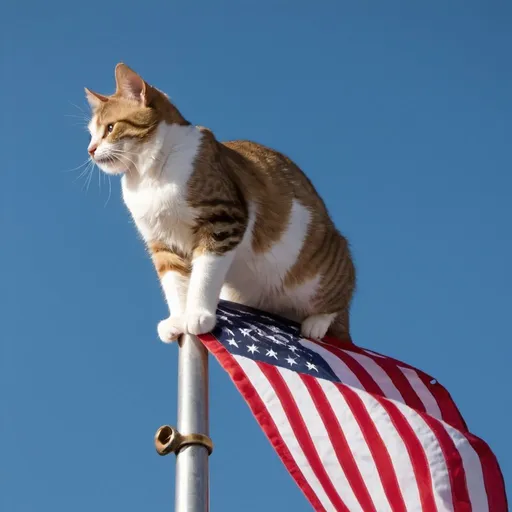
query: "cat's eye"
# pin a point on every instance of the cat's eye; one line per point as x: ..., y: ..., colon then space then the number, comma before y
x: 110, y: 127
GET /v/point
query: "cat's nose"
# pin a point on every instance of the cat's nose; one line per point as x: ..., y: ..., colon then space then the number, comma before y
x: 92, y: 149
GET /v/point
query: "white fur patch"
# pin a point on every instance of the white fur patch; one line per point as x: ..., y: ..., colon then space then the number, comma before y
x: 274, y: 264
x: 156, y: 194
x: 257, y: 279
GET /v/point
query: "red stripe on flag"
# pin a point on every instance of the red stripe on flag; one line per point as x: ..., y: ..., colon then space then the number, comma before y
x: 456, y: 473
x: 359, y: 350
x: 358, y: 370
x: 493, y: 477
x: 449, y: 410
x: 339, y: 442
x: 447, y: 406
x: 402, y: 384
x: 416, y: 453
x: 302, y: 434
x: 377, y: 448
x: 262, y: 415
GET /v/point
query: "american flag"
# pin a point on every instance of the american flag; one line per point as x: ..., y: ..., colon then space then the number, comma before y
x: 358, y: 431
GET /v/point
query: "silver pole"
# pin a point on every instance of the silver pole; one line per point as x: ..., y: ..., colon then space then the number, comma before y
x: 192, y: 475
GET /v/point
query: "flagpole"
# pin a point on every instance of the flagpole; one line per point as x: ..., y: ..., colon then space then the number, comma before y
x: 190, y: 441
x: 192, y: 485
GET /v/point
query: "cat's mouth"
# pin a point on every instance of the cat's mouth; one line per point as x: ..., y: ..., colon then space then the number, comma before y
x: 110, y: 165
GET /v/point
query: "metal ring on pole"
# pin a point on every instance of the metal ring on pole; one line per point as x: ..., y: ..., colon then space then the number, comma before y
x: 169, y: 440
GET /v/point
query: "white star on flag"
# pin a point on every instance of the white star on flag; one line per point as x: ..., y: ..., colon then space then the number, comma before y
x: 233, y: 342
x: 275, y: 340
x: 311, y: 366
x: 291, y: 361
x: 259, y: 331
x: 253, y: 348
x: 271, y: 353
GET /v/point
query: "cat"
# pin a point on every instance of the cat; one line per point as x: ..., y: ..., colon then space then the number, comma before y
x: 222, y: 220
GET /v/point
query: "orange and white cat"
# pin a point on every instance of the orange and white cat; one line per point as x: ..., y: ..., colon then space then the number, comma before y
x: 231, y: 220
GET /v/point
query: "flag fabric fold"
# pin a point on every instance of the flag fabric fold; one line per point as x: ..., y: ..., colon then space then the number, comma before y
x: 358, y: 431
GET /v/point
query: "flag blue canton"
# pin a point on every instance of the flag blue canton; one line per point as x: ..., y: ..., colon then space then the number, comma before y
x: 268, y: 339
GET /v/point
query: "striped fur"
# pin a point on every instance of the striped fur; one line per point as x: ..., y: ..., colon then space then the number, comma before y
x: 234, y: 219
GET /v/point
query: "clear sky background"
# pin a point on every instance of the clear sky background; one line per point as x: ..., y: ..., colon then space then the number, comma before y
x: 399, y: 113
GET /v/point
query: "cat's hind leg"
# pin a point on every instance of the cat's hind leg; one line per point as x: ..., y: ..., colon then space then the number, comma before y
x: 332, y: 324
x: 340, y: 328
x: 316, y: 326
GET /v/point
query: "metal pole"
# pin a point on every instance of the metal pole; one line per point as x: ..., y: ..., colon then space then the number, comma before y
x: 190, y: 441
x: 192, y: 476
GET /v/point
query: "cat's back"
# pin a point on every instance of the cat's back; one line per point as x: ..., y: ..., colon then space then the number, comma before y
x: 291, y: 242
x: 273, y: 173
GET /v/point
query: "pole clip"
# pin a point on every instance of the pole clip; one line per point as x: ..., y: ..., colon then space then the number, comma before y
x: 169, y: 440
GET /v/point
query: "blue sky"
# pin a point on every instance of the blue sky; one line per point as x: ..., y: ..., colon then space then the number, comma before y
x: 399, y: 113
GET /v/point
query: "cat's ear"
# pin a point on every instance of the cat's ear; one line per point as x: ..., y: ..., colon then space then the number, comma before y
x: 130, y: 85
x: 94, y: 99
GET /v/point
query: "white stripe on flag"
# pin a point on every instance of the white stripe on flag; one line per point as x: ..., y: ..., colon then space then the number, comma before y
x: 424, y: 394
x: 436, y: 462
x: 378, y: 375
x: 320, y: 437
x: 397, y: 451
x: 358, y: 446
x: 472, y: 468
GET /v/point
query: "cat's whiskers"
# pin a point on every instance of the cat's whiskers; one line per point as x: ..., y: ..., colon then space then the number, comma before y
x: 76, y: 115
x: 78, y: 167
x: 81, y: 109
x: 84, y: 117
x: 88, y: 180
x: 122, y: 154
x: 87, y: 171
x: 125, y: 151
x: 109, y: 192
x: 90, y: 164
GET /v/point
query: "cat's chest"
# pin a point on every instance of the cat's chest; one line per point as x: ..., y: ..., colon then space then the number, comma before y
x: 161, y: 213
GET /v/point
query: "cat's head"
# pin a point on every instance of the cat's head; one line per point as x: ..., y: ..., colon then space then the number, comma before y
x: 124, y: 122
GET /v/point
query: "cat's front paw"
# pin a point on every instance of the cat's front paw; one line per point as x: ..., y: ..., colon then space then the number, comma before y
x: 199, y: 322
x: 170, y: 329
